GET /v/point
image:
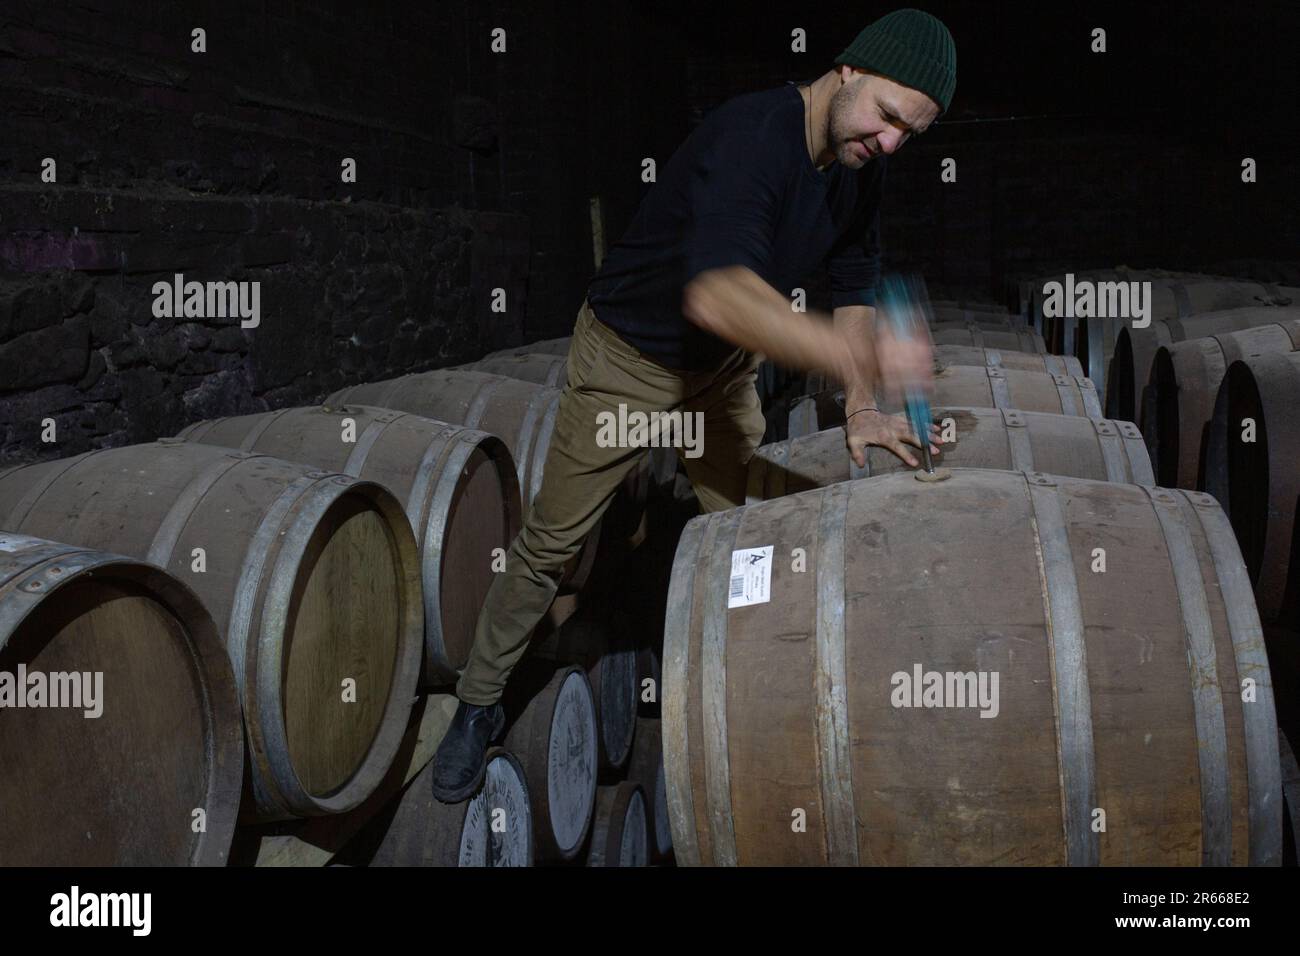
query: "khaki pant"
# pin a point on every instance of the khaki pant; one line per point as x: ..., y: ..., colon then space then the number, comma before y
x: 581, y: 477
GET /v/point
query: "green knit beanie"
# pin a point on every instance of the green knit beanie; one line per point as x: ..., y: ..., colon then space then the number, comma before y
x: 912, y: 48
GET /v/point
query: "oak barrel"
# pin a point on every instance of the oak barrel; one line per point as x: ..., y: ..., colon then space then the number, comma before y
x: 1174, y: 295
x: 1135, y: 350
x: 521, y: 414
x: 458, y: 485
x: 312, y: 577
x: 983, y: 438
x: 153, y: 743
x: 949, y: 355
x: 970, y: 386
x: 1258, y: 480
x: 883, y: 700
x: 1184, y: 383
x: 628, y: 507
x: 591, y: 639
x: 552, y: 732
x: 619, y: 835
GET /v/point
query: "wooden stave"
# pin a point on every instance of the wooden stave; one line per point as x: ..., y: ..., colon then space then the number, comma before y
x: 254, y: 612
x: 702, y: 825
x: 403, y: 452
x: 1003, y: 439
x: 530, y: 700
x: 1135, y: 349
x: 33, y: 570
x: 1184, y: 382
x: 616, y: 810
x: 1273, y: 379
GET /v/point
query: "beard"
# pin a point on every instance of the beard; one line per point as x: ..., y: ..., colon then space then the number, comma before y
x: 838, y: 132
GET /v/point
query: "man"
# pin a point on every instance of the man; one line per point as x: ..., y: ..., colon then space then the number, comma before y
x: 769, y: 186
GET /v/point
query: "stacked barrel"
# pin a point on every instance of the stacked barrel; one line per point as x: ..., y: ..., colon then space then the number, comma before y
x: 1051, y: 651
x: 255, y: 605
x: 1073, y: 644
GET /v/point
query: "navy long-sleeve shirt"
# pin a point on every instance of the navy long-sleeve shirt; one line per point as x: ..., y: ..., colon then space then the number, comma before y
x: 741, y: 190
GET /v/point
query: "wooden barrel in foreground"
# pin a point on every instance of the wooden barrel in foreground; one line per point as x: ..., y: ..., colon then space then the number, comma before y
x: 492, y: 828
x: 521, y: 414
x: 458, y: 486
x: 947, y: 680
x: 969, y: 386
x: 1252, y: 466
x: 647, y: 769
x: 1135, y: 350
x: 1184, y: 383
x: 1005, y: 439
x: 619, y: 835
x: 552, y: 733
x: 146, y: 740
x: 313, y: 579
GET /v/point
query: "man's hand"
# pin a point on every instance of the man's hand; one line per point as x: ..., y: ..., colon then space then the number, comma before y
x: 887, y: 431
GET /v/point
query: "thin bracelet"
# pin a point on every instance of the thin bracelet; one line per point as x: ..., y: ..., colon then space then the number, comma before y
x: 869, y: 408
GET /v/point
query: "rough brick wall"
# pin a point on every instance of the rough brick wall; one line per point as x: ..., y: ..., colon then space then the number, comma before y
x: 225, y: 165
x: 346, y: 295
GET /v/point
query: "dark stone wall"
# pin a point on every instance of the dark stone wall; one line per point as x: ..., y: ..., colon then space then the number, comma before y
x: 225, y: 165
x: 346, y: 295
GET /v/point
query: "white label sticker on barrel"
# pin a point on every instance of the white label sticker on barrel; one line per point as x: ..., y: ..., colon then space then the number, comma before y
x: 751, y: 577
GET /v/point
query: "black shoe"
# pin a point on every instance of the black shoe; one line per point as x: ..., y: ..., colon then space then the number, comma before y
x: 459, y: 764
